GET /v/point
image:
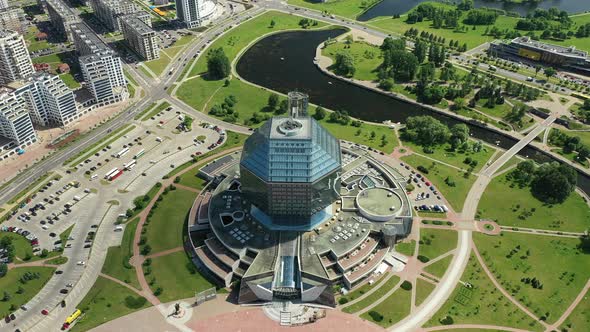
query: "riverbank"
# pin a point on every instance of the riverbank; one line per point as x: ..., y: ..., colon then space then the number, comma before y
x: 322, y: 63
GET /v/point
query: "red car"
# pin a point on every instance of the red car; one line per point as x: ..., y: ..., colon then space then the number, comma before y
x: 45, y: 312
x: 427, y: 183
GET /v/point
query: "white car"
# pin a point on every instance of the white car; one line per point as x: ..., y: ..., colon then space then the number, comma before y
x: 81, y: 263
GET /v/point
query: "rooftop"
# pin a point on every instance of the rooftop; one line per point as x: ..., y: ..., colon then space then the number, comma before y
x: 572, y: 51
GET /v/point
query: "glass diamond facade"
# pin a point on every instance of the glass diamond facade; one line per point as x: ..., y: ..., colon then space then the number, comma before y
x: 289, y: 169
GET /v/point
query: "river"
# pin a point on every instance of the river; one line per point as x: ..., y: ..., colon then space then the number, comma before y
x: 398, y: 7
x: 284, y: 62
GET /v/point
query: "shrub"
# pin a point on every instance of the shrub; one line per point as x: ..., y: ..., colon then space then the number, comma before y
x: 406, y: 285
x: 375, y: 315
x: 423, y: 258
x: 423, y: 169
x: 343, y: 300
x: 133, y: 302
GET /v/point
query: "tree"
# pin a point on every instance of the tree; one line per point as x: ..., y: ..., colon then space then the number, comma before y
x: 273, y: 101
x: 403, y: 65
x: 523, y: 174
x: 272, y: 23
x: 425, y: 131
x: 344, y: 64
x: 426, y: 73
x: 549, y: 72
x: 553, y: 182
x: 459, y: 104
x: 460, y: 131
x: 537, y: 70
x: 420, y: 49
x: 3, y: 269
x: 320, y: 113
x: 283, y: 107
x: 218, y: 65
x: 6, y: 297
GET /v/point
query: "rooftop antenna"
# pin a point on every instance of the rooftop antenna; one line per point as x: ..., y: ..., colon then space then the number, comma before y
x: 297, y: 104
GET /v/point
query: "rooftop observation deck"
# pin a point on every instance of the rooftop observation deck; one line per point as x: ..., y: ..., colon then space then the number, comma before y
x: 212, y: 263
x: 226, y: 257
x: 361, y: 270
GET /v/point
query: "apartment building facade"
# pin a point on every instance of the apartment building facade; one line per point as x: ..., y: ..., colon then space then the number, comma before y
x: 62, y: 17
x: 140, y: 36
x: 109, y: 12
x: 15, y: 62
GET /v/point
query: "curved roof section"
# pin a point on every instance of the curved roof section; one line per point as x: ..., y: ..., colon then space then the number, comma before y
x: 284, y: 151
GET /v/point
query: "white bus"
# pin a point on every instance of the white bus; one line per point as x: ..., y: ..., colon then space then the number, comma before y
x: 122, y: 153
x: 139, y: 154
x: 129, y: 165
x: 113, y: 171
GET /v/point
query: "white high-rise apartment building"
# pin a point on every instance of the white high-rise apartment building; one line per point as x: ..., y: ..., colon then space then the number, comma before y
x: 15, y: 122
x: 101, y: 67
x: 194, y: 12
x: 15, y: 62
x: 11, y: 18
x: 62, y: 17
x: 140, y: 36
x: 3, y: 4
x: 49, y: 100
x: 109, y: 12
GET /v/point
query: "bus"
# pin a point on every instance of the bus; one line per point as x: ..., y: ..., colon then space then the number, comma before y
x: 139, y: 154
x: 72, y: 318
x: 122, y: 153
x: 113, y: 171
x: 115, y: 175
x: 128, y: 166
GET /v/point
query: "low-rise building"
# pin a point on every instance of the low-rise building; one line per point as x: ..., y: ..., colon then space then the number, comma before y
x: 546, y: 54
x: 15, y: 62
x: 62, y: 17
x: 140, y: 36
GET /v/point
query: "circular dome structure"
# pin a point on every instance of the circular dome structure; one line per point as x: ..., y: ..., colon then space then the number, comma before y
x: 378, y: 204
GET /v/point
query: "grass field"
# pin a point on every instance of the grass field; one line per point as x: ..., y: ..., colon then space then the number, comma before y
x: 33, y: 44
x: 446, y: 155
x: 346, y: 8
x: 238, y: 38
x: 358, y: 292
x: 192, y: 180
x: 10, y: 283
x: 22, y: 248
x: 165, y: 230
x: 482, y: 304
x: 557, y: 263
x: 435, y: 242
x: 392, y: 309
x: 439, y: 268
x: 367, y: 57
x: 104, y: 302
x: 572, y: 215
x: 202, y: 94
x: 117, y: 261
x: 471, y: 37
x: 406, y: 248
x: 373, y: 297
x: 580, y: 317
x: 174, y: 277
x: 423, y: 289
x: 438, y: 173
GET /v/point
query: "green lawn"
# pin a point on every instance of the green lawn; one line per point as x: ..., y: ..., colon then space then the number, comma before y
x: 367, y: 57
x: 192, y: 180
x: 572, y: 215
x: 435, y: 242
x: 117, y: 261
x: 33, y: 44
x: 373, y: 297
x: 446, y: 155
x: 200, y: 92
x: 104, y: 302
x: 157, y: 66
x: 365, y: 288
x: 70, y: 81
x: 346, y: 8
x: 423, y: 289
x: 22, y: 247
x: 10, y: 283
x: 165, y: 230
x: 557, y: 263
x: 483, y: 304
x: 473, y: 38
x: 438, y: 173
x: 439, y: 268
x: 406, y: 248
x: 580, y: 317
x: 580, y: 43
x: 238, y: 38
x: 173, y: 275
x: 393, y: 308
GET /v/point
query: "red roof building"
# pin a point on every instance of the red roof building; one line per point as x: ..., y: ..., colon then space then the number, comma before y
x: 63, y: 68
